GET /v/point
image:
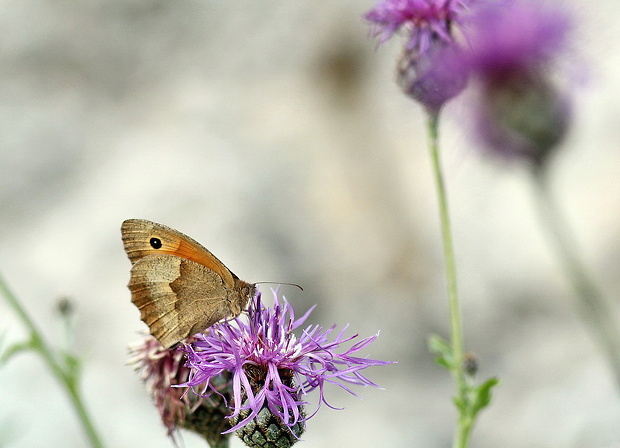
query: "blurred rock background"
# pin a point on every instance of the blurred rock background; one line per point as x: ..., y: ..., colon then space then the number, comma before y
x: 273, y: 133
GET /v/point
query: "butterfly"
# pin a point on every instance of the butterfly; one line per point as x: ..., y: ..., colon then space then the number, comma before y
x: 179, y: 286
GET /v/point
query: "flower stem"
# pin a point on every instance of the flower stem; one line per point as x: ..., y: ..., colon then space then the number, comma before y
x: 590, y: 302
x: 66, y: 378
x: 465, y: 422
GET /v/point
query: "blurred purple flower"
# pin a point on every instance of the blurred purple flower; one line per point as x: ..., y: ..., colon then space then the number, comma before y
x: 424, y: 21
x: 159, y: 369
x: 510, y: 38
x: 432, y: 78
x: 426, y: 70
x: 513, y: 47
x: 270, y: 366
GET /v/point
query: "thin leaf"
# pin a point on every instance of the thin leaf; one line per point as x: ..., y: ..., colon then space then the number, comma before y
x: 440, y: 347
x: 460, y: 404
x: 483, y: 395
x: 14, y: 349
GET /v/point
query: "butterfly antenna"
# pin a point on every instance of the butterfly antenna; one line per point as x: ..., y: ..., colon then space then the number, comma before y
x: 280, y: 283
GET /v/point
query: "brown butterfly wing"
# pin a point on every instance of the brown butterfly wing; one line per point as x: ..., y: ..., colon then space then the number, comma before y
x: 137, y: 238
x: 177, y: 297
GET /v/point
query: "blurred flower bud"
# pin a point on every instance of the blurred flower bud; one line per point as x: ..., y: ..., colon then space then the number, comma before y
x: 432, y: 78
x: 526, y: 118
x: 521, y: 112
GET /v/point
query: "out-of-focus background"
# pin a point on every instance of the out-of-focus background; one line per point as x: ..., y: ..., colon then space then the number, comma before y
x: 273, y: 133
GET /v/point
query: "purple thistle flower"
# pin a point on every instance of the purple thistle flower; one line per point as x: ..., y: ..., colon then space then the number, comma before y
x: 424, y: 21
x: 521, y: 112
x: 272, y: 367
x: 509, y: 38
x: 426, y: 70
x: 160, y: 369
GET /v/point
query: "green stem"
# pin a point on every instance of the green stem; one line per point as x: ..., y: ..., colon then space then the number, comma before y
x: 465, y: 423
x: 589, y: 300
x: 65, y: 378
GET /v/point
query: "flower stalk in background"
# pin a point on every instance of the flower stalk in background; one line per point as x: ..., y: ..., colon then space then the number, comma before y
x: 593, y: 306
x: 523, y: 113
x: 60, y: 361
x: 431, y: 72
x: 272, y: 369
x: 470, y: 397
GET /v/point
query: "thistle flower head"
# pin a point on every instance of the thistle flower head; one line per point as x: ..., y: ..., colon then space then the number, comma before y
x: 522, y: 112
x: 424, y: 22
x: 426, y: 70
x: 509, y: 38
x: 161, y: 369
x: 271, y: 367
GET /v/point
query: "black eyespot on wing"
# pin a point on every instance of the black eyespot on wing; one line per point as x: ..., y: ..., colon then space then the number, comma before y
x: 155, y: 243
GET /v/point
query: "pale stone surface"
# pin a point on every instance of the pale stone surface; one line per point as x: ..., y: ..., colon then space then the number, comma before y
x: 272, y: 133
